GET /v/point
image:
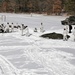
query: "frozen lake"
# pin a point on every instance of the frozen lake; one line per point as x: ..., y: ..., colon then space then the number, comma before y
x: 35, y: 55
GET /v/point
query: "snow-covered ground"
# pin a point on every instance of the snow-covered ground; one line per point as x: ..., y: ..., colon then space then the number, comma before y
x: 22, y: 55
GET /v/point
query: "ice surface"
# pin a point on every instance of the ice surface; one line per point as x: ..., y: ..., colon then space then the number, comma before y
x: 22, y: 55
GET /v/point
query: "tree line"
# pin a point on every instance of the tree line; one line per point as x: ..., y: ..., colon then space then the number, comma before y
x: 38, y: 6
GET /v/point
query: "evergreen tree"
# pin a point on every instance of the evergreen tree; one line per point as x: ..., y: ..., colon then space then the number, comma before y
x: 70, y: 6
x: 39, y: 6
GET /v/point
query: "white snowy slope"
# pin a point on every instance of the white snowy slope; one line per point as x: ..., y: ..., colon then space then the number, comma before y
x: 34, y: 55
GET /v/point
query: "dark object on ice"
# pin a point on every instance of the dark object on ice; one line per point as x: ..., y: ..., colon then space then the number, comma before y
x: 25, y: 27
x: 70, y: 28
x: 1, y: 28
x: 53, y: 36
x: 35, y: 30
x: 7, y: 22
x: 1, y: 31
x: 69, y: 21
x: 41, y: 23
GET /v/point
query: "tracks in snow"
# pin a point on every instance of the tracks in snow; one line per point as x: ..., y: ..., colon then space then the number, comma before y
x: 52, y: 61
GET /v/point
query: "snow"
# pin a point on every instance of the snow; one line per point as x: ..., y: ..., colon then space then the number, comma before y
x: 33, y: 55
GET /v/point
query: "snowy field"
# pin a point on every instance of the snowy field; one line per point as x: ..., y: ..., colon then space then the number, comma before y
x: 33, y: 55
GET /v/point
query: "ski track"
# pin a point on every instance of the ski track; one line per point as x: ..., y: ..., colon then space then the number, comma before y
x: 37, y: 50
x: 37, y: 55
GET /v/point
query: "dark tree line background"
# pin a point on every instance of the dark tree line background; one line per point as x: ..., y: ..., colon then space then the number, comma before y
x: 38, y: 6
